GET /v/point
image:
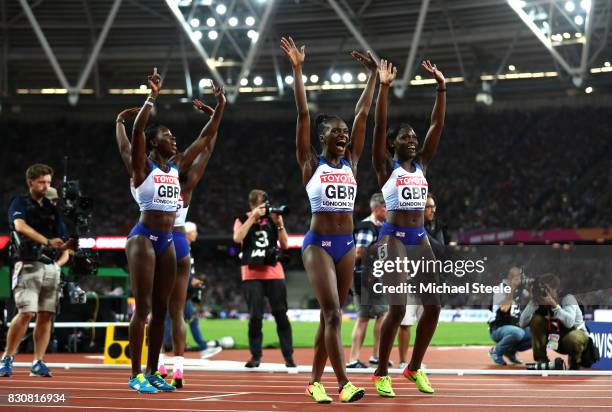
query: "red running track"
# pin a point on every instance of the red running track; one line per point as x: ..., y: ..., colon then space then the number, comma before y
x: 207, y: 391
x: 103, y: 389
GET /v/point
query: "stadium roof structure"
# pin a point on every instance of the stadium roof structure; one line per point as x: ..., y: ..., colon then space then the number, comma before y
x: 93, y: 50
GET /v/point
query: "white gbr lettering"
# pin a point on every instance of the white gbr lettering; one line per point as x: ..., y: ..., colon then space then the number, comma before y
x: 167, y: 190
x: 411, y: 192
x: 338, y: 191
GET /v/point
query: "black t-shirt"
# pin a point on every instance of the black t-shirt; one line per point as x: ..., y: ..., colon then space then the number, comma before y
x: 437, y: 238
x: 512, y: 315
x: 45, y: 218
x: 260, y: 244
x: 366, y: 227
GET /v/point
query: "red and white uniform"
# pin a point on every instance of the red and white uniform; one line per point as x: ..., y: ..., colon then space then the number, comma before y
x: 404, y: 190
x: 159, y: 191
x: 332, y: 189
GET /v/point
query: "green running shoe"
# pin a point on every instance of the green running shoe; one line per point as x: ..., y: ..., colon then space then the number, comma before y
x: 420, y: 379
x: 383, y: 386
x: 317, y: 392
x: 351, y: 393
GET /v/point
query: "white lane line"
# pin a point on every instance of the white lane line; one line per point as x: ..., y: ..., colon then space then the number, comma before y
x: 85, y: 407
x: 446, y: 394
x: 212, y: 397
x: 408, y: 405
x: 401, y: 384
x: 286, y: 377
x: 81, y: 390
x: 234, y: 366
x: 386, y: 403
x: 411, y: 405
x: 275, y: 376
x: 438, y: 395
x: 447, y: 387
x: 438, y: 382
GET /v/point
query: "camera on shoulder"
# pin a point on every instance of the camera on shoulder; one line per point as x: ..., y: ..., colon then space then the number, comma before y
x: 77, y: 209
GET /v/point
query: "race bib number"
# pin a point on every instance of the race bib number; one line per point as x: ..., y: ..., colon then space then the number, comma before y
x: 167, y: 190
x: 338, y: 191
x: 412, y: 192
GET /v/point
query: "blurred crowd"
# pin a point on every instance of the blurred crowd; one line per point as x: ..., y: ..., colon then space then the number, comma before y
x: 519, y: 170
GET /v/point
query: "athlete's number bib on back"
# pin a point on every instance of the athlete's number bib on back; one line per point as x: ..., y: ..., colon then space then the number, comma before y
x: 412, y: 192
x: 338, y: 191
x: 167, y: 190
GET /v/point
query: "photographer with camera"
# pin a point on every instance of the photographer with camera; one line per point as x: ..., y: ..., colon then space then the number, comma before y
x: 258, y: 232
x: 556, y: 322
x: 38, y: 250
x: 504, y: 326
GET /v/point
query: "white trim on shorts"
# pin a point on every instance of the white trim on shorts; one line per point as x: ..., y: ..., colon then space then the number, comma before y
x: 412, y: 316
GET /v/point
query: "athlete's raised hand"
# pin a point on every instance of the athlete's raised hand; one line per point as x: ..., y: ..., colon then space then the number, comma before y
x: 432, y: 69
x: 387, y: 72
x: 430, y: 145
x: 296, y: 56
x: 367, y: 60
x: 219, y: 93
x: 123, y: 143
x: 155, y: 82
x: 128, y: 113
x: 306, y: 157
x: 138, y: 164
x: 201, y: 106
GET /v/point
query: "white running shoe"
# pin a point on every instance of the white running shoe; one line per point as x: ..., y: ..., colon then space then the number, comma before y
x: 210, y: 352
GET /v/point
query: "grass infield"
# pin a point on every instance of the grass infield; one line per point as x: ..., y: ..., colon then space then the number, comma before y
x: 447, y: 334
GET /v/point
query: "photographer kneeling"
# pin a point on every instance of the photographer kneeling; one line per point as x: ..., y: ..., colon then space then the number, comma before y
x: 38, y: 251
x: 503, y: 327
x: 556, y: 322
x: 258, y: 232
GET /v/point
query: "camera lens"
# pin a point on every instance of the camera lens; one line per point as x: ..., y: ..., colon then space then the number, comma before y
x: 280, y: 210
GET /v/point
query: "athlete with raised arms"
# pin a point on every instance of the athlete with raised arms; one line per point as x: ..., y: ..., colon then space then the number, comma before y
x: 400, y: 169
x: 328, y: 250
